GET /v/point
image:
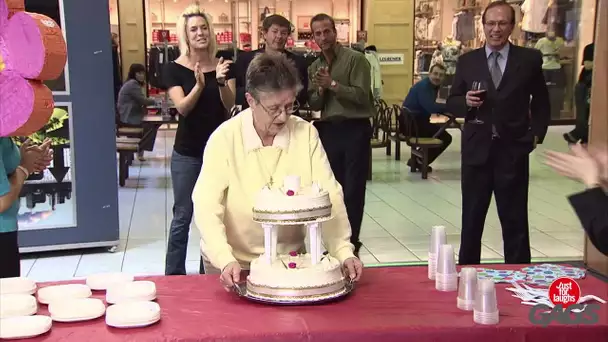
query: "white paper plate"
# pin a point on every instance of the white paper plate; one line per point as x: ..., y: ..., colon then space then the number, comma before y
x: 102, y: 281
x: 133, y: 314
x: 20, y: 285
x: 136, y: 291
x: 49, y: 294
x: 12, y: 305
x: 24, y: 326
x: 77, y: 310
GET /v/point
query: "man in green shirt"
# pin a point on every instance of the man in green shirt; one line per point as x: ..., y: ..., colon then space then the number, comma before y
x: 340, y: 87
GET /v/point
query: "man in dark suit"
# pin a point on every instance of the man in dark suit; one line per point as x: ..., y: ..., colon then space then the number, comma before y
x: 276, y: 29
x: 502, y: 127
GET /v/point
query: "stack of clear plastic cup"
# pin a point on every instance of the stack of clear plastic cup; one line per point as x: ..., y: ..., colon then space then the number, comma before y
x: 486, y: 308
x: 438, y: 238
x: 446, y: 278
x: 467, y: 288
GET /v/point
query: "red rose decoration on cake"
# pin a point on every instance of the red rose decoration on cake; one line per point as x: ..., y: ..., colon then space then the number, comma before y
x: 292, y: 265
x: 293, y: 253
x: 32, y: 50
x: 290, y: 193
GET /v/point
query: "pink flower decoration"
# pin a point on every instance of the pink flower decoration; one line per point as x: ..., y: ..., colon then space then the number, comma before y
x: 293, y: 253
x: 290, y: 193
x: 292, y: 265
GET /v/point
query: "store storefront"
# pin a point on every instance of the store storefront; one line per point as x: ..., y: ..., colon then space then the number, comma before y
x: 74, y: 203
x: 560, y: 29
x: 143, y: 25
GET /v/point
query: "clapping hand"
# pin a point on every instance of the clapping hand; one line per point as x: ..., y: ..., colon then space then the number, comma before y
x: 199, y: 75
x: 323, y: 78
x: 589, y: 166
x: 46, y: 156
x: 222, y: 70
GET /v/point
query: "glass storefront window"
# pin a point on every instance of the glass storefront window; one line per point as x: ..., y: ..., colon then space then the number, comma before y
x: 560, y: 29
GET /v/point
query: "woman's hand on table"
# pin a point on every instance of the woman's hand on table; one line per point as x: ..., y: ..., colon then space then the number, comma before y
x: 353, y: 268
x: 231, y: 274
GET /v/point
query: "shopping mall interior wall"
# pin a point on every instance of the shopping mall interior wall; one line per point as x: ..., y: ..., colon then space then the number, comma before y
x: 92, y: 139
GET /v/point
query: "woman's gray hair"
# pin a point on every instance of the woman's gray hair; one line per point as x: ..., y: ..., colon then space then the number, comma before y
x: 269, y: 73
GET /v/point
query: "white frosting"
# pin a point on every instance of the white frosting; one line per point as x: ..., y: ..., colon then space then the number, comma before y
x: 77, y: 310
x: 132, y: 314
x: 24, y: 326
x: 102, y: 281
x: 292, y: 183
x: 305, y: 275
x: 19, y: 285
x: 12, y: 305
x: 131, y: 292
x: 47, y: 295
x: 308, y: 203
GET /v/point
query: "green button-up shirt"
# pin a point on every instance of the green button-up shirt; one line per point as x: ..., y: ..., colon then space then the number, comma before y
x: 352, y: 96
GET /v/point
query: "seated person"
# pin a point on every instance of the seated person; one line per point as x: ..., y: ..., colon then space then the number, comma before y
x: 421, y: 102
x: 591, y: 168
x: 132, y: 107
x: 275, y: 29
x: 261, y: 144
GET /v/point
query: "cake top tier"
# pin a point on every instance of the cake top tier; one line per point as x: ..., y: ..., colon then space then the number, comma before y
x: 292, y: 186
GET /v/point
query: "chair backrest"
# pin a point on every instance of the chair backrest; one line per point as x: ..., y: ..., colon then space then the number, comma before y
x: 407, y: 124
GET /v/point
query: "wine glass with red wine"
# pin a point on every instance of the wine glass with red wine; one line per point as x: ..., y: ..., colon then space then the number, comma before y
x: 482, y: 88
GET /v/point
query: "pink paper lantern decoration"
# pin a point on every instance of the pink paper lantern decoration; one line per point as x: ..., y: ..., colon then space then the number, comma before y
x: 32, y: 49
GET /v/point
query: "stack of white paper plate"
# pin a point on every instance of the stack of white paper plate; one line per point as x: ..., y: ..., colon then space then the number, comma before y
x: 132, y: 314
x: 24, y: 326
x: 102, y: 281
x: 18, y: 285
x: 47, y: 295
x: 76, y: 310
x: 136, y: 291
x: 13, y: 305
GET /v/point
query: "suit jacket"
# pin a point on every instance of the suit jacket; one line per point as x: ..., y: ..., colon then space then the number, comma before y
x: 591, y: 206
x: 242, y: 63
x: 519, y: 108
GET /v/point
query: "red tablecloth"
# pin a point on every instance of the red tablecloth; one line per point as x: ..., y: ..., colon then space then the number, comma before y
x: 389, y: 304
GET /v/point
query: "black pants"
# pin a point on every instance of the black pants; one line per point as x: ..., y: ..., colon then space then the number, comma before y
x: 10, y: 265
x: 426, y: 129
x: 347, y: 144
x: 506, y: 174
x: 581, y: 130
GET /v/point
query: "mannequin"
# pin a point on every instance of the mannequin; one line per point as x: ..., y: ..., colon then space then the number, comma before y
x: 449, y: 50
x: 551, y: 46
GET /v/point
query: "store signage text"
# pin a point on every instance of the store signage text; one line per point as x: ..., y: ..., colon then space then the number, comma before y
x: 391, y: 58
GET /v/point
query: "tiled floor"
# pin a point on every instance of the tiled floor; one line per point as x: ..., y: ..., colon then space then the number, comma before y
x: 400, y: 211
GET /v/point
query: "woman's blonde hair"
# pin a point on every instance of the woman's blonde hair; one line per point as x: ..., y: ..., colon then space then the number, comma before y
x: 182, y: 27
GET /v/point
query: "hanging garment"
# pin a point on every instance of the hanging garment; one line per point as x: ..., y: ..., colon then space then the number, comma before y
x: 534, y: 12
x: 376, y: 74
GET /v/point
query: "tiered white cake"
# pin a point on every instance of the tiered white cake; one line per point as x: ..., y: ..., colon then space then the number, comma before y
x: 294, y: 278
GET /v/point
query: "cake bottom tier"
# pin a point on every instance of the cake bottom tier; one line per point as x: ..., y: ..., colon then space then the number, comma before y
x: 297, y: 295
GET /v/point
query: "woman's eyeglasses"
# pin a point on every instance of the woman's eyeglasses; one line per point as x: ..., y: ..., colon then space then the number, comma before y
x: 274, y: 112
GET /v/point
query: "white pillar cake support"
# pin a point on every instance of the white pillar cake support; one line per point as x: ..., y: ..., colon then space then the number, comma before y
x: 268, y: 250
x: 314, y: 230
x: 274, y: 235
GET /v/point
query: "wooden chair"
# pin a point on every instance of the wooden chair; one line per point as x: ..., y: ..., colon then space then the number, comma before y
x: 419, y: 146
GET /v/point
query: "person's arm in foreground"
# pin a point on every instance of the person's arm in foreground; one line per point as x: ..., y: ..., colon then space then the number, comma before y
x: 336, y: 232
x: 208, y: 199
x: 591, y: 205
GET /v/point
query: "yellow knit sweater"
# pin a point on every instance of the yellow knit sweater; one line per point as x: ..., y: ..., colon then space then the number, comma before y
x: 236, y: 167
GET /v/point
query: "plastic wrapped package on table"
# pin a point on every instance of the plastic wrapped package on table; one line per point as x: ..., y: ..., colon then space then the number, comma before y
x: 389, y: 304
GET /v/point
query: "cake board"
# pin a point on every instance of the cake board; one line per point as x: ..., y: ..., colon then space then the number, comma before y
x: 241, y: 290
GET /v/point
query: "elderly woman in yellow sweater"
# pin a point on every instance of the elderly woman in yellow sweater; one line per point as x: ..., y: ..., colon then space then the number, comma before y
x: 261, y: 144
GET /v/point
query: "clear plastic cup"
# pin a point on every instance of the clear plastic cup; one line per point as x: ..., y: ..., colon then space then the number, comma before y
x: 486, y: 307
x: 438, y: 238
x: 467, y: 288
x: 446, y: 262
